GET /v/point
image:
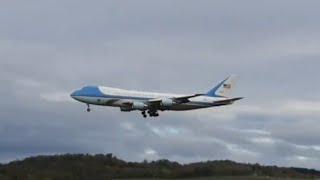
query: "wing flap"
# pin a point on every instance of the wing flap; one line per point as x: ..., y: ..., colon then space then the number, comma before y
x: 226, y: 102
x: 185, y: 99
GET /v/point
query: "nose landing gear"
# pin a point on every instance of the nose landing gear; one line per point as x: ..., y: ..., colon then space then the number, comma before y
x: 88, y: 108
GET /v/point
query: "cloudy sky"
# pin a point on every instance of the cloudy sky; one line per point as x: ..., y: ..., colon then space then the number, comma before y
x: 50, y: 48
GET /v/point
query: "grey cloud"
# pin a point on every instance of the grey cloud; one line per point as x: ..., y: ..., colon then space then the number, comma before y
x: 48, y: 49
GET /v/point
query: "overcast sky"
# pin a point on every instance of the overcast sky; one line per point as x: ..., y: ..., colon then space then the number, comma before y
x: 50, y: 48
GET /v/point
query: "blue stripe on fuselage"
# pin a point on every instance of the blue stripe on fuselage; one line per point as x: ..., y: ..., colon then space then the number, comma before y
x: 94, y: 91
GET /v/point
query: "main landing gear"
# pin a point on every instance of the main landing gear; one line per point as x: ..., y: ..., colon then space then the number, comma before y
x: 151, y: 113
x: 144, y: 114
x: 88, y: 108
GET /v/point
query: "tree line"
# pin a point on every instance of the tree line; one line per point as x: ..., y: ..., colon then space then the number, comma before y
x: 107, y: 166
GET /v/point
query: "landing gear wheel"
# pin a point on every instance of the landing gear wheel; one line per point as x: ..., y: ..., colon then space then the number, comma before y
x: 153, y: 113
x: 88, y: 109
x: 144, y: 114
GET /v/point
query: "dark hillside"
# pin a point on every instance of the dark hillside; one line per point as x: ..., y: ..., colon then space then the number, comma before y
x: 79, y: 167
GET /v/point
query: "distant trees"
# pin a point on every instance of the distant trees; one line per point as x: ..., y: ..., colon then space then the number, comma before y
x: 85, y: 166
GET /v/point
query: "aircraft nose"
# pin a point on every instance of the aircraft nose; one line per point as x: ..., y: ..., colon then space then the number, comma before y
x: 74, y: 94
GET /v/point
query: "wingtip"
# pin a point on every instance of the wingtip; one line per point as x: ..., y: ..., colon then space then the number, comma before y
x: 239, y: 98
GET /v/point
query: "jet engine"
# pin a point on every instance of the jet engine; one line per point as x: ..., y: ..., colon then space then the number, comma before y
x: 134, y: 106
x: 126, y: 109
x: 167, y: 103
x: 139, y: 106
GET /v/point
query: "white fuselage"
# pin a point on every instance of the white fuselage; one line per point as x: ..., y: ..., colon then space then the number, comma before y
x: 107, y: 96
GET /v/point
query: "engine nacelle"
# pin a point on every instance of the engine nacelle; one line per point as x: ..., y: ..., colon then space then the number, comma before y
x: 139, y: 106
x: 126, y: 109
x: 167, y: 103
x: 135, y: 106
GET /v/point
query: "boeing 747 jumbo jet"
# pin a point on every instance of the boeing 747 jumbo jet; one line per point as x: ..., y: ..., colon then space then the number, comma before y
x: 151, y: 103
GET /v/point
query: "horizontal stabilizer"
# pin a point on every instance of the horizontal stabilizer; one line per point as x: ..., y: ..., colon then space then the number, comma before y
x: 227, y: 101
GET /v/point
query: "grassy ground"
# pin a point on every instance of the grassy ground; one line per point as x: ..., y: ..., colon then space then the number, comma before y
x: 224, y: 178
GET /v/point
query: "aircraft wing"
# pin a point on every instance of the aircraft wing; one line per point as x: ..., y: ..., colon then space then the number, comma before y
x: 178, y: 100
x: 123, y: 102
x: 185, y: 99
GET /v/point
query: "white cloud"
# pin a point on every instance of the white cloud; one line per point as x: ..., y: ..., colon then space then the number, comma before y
x: 284, y: 108
x: 302, y: 158
x: 166, y: 131
x: 57, y: 97
x: 150, y: 154
x: 302, y: 108
x: 305, y: 147
x: 250, y: 131
x: 28, y: 83
x: 127, y: 126
x: 263, y: 140
x: 242, y: 153
x: 277, y: 47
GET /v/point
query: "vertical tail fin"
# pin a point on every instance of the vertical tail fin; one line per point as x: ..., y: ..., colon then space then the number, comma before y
x: 224, y: 88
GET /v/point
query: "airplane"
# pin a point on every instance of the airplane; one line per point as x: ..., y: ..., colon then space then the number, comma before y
x: 151, y: 103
